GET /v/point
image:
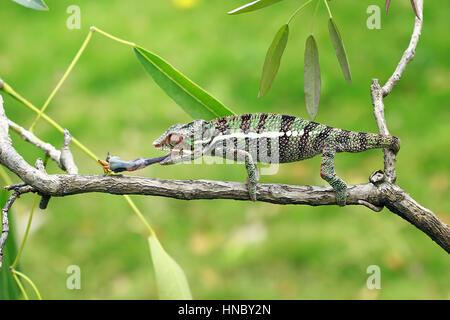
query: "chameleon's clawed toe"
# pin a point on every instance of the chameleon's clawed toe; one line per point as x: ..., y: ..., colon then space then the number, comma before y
x: 251, y: 189
x: 252, y: 194
x: 341, y: 198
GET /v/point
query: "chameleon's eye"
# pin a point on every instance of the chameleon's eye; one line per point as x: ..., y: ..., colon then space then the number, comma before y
x: 175, y: 139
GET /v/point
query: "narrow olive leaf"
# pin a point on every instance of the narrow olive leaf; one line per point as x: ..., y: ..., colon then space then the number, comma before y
x: 198, y: 103
x: 8, y: 287
x: 340, y: 50
x: 386, y: 6
x: 252, y: 6
x: 33, y: 4
x: 273, y: 59
x: 170, y: 278
x: 312, y: 82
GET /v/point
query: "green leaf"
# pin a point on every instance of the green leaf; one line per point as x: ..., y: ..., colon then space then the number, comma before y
x: 170, y: 278
x: 198, y: 103
x: 252, y: 6
x: 312, y: 82
x: 340, y: 50
x: 33, y: 4
x: 273, y: 59
x: 8, y: 286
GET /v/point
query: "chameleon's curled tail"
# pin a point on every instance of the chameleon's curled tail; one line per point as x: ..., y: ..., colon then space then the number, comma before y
x: 375, y: 140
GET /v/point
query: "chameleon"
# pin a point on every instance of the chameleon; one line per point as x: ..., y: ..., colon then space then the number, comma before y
x: 260, y: 137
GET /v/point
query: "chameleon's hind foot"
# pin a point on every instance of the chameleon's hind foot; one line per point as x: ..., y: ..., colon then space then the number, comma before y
x: 329, y: 175
x: 341, y: 197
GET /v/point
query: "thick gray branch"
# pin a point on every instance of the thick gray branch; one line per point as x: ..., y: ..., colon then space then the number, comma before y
x: 401, y: 203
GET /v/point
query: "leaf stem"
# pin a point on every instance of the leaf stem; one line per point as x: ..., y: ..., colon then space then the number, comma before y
x: 328, y: 8
x: 298, y: 10
x: 64, y: 77
x: 314, y: 17
x: 27, y: 231
x: 15, y: 272
x: 20, y: 286
x: 72, y: 65
x: 128, y: 43
x: 140, y: 215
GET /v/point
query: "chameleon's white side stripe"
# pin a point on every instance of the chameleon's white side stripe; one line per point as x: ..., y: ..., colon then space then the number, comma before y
x: 242, y: 135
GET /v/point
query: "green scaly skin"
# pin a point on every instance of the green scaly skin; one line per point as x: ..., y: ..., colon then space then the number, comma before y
x: 265, y: 138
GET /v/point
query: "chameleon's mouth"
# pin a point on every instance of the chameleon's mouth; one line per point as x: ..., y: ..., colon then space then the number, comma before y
x: 162, y: 146
x: 158, y: 145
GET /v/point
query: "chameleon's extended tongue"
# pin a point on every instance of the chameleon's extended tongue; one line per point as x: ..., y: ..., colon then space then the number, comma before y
x: 117, y: 165
x: 155, y: 160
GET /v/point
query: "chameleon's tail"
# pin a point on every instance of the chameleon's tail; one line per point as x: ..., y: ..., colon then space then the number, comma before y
x: 375, y: 140
x: 351, y: 141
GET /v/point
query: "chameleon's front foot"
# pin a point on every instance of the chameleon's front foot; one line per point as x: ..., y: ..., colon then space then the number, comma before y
x: 252, y: 181
x: 251, y: 185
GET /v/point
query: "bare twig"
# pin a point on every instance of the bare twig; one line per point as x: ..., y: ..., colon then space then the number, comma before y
x: 5, y: 222
x: 378, y: 110
x: 28, y: 136
x: 409, y: 53
x: 45, y: 199
x: 378, y: 92
x: 371, y: 206
x: 67, y: 162
x: 63, y: 158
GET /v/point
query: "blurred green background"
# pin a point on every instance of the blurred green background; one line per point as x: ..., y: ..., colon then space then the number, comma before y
x: 231, y: 249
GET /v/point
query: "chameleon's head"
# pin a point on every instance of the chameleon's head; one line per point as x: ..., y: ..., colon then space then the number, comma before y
x: 179, y: 140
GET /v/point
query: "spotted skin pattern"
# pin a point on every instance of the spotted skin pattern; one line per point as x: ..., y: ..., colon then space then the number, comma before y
x: 269, y: 138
